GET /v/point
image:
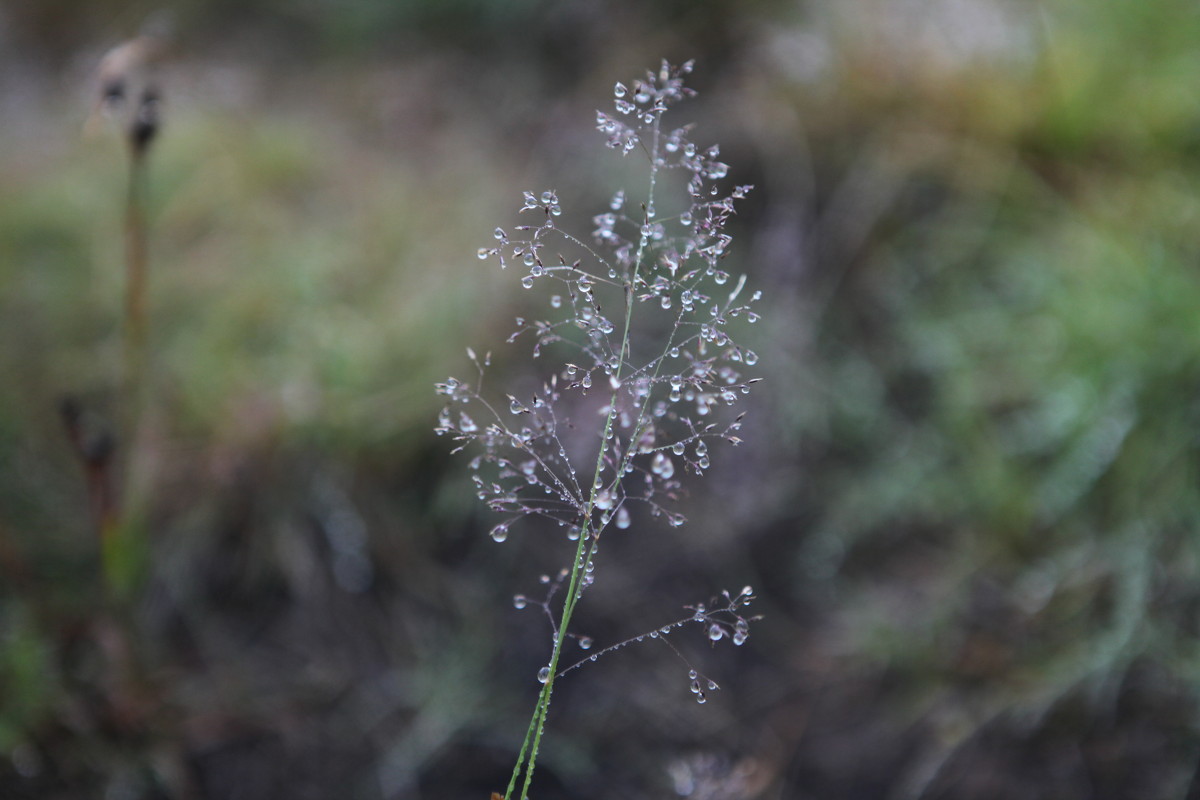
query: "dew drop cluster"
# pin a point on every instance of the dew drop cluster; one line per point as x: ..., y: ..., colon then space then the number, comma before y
x: 634, y: 323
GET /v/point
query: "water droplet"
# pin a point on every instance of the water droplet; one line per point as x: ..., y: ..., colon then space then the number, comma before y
x: 677, y: 448
x: 592, y: 657
x: 695, y: 687
x: 500, y: 532
x: 555, y: 301
x: 747, y: 591
x: 750, y: 357
x: 527, y: 282
x: 543, y: 674
x: 701, y: 699
x: 483, y: 253
x: 585, y: 642
x: 692, y: 675
x: 622, y: 520
x: 715, y: 632
x: 662, y: 465
x: 619, y: 90
x: 520, y: 601
x: 739, y: 638
x: 515, y: 405
x: 665, y: 629
x: 665, y: 302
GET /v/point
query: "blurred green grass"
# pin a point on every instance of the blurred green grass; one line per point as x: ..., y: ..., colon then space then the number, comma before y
x: 320, y: 283
x: 973, y: 479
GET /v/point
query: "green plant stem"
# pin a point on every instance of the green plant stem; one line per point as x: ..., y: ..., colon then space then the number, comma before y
x: 119, y: 539
x: 537, y: 725
x: 136, y: 272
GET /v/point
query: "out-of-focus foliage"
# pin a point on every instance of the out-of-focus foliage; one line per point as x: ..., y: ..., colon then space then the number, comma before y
x: 999, y: 395
x: 969, y: 504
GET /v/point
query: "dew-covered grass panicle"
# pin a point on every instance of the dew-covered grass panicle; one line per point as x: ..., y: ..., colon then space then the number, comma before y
x: 635, y: 331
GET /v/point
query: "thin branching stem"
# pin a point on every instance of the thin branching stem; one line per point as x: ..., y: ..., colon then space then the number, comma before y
x: 527, y: 470
x: 579, y: 563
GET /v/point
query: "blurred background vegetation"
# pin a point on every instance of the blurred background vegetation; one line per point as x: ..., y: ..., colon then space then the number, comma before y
x: 968, y: 497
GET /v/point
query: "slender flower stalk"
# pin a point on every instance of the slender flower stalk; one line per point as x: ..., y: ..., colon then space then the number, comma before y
x: 660, y: 376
